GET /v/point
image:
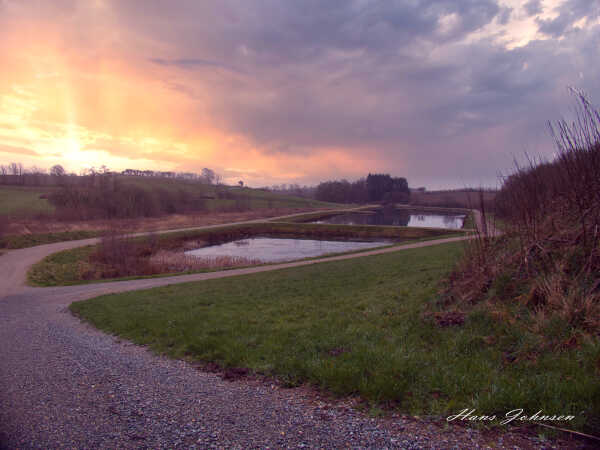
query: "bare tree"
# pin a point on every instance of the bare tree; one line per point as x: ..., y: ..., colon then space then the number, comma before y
x: 208, y: 175
x: 57, y: 170
x: 15, y: 168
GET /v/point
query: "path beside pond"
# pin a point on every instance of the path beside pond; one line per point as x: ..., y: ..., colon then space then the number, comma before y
x: 64, y: 383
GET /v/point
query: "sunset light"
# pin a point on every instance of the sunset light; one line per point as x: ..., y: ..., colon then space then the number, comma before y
x: 90, y: 83
x: 322, y: 224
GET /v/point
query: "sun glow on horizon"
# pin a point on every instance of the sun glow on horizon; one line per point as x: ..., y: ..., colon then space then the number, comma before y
x: 184, y: 87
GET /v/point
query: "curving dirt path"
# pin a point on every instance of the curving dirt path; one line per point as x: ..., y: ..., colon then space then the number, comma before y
x: 65, y: 384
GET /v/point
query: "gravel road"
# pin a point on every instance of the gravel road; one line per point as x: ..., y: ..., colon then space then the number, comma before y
x: 65, y: 384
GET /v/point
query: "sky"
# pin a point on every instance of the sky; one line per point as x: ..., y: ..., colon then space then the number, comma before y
x: 446, y: 93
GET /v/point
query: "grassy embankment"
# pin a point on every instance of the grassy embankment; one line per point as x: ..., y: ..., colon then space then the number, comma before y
x: 358, y: 327
x: 543, y: 272
x: 77, y: 266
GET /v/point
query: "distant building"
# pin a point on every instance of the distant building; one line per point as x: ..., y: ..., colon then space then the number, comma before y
x: 419, y: 189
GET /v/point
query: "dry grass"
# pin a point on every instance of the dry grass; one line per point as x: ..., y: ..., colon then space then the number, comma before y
x: 168, y: 222
x: 165, y: 261
x: 545, y: 270
x: 123, y: 256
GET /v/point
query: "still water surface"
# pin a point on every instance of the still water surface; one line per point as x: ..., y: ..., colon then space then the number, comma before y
x: 278, y: 250
x: 403, y: 218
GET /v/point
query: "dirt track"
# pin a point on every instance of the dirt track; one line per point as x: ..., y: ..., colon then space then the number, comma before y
x: 63, y: 383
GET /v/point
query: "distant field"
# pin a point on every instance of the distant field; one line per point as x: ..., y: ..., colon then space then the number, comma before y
x: 23, y: 202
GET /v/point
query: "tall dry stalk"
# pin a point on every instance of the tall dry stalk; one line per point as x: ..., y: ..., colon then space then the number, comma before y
x: 550, y: 251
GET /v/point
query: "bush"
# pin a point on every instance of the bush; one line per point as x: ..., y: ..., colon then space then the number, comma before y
x: 550, y: 251
x: 114, y: 200
x: 121, y: 256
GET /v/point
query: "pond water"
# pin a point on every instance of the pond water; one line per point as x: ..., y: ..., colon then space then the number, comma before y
x: 397, y: 217
x: 278, y: 250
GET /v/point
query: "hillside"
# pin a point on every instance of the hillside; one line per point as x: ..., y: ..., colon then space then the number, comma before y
x: 541, y: 278
x: 108, y: 195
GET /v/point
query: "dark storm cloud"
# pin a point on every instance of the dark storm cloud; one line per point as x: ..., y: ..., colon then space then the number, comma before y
x: 568, y: 13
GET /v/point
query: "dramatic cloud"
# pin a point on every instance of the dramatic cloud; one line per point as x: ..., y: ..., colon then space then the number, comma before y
x: 444, y: 92
x: 533, y: 7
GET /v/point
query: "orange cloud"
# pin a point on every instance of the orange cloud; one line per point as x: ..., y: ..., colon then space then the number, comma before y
x: 78, y: 108
x: 83, y: 108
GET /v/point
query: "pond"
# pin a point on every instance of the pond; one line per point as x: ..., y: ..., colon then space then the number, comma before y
x: 397, y: 217
x: 278, y: 250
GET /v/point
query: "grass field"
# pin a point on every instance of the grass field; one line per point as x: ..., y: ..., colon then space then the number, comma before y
x: 357, y: 327
x: 224, y: 197
x: 69, y: 266
x: 23, y: 202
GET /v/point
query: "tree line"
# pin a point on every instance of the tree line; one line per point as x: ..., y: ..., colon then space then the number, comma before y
x: 376, y: 187
x: 16, y: 173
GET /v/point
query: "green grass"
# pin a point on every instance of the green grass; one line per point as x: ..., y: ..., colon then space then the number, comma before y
x: 23, y: 202
x: 31, y: 240
x: 356, y: 327
x: 61, y: 268
x: 65, y: 268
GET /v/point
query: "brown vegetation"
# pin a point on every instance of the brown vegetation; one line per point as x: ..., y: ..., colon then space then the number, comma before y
x: 167, y: 222
x: 107, y: 198
x: 165, y: 261
x: 545, y: 269
x: 122, y: 256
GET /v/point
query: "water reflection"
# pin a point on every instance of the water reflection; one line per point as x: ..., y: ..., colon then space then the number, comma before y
x: 397, y: 217
x: 278, y: 250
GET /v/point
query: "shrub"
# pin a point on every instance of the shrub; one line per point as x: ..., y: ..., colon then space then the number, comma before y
x: 546, y: 267
x: 114, y: 200
x: 120, y: 256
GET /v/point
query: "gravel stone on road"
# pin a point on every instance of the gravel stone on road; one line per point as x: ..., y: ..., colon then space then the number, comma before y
x: 65, y: 384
